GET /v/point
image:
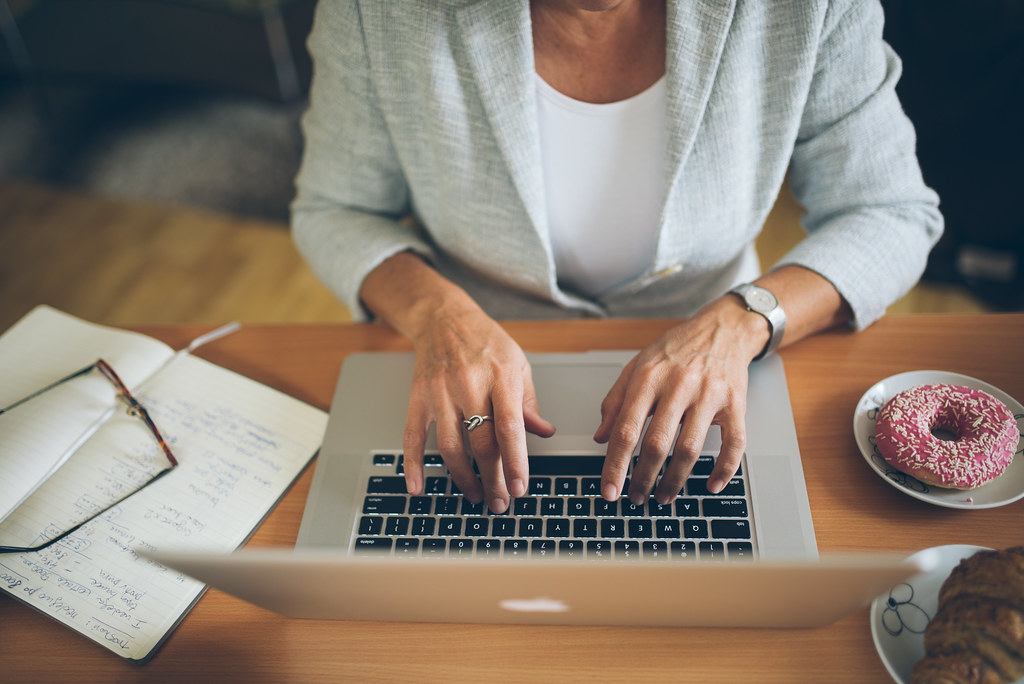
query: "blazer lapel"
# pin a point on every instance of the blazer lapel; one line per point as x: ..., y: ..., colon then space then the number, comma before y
x: 696, y: 36
x: 499, y: 46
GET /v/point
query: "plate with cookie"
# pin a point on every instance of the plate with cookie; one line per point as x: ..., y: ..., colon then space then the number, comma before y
x: 945, y: 438
x: 961, y: 621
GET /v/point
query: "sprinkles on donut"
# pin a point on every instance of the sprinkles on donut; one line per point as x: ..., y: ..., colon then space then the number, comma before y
x: 978, y: 435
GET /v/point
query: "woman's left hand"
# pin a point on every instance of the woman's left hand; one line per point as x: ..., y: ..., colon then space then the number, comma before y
x: 694, y: 375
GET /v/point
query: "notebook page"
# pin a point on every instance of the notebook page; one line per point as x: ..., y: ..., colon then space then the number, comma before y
x: 240, y: 445
x: 45, y: 346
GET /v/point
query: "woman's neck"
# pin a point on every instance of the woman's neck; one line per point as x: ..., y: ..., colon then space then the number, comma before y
x: 603, y: 55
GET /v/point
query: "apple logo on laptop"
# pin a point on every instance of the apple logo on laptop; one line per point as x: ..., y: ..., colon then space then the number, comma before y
x: 540, y: 604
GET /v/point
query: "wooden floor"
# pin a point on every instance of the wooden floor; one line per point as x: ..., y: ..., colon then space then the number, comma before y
x: 125, y: 263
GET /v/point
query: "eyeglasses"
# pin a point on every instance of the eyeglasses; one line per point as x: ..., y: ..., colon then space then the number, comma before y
x: 134, y: 408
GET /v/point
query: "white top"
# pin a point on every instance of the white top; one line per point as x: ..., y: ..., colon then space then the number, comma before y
x: 603, y: 168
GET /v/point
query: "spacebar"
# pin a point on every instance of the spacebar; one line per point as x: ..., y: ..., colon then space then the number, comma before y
x: 566, y: 465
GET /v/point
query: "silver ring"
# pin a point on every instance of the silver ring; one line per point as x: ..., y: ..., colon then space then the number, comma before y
x: 473, y: 422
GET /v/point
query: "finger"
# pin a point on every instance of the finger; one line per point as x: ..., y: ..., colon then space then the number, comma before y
x: 414, y: 439
x: 657, y: 445
x: 625, y: 434
x: 510, y: 434
x: 532, y: 418
x: 612, y: 403
x: 453, y: 451
x: 489, y: 463
x: 734, y: 443
x: 688, y: 447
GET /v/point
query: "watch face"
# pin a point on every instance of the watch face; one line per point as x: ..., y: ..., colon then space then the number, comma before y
x: 761, y: 300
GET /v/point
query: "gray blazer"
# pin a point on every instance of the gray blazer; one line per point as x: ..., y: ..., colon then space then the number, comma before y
x: 427, y: 107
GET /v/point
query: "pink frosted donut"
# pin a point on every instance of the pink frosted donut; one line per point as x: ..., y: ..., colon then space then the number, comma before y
x: 984, y: 428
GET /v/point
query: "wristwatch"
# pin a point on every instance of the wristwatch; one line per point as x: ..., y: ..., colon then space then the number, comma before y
x: 762, y: 301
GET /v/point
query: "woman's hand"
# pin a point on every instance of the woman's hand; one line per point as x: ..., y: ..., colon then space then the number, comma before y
x: 693, y: 376
x: 466, y: 365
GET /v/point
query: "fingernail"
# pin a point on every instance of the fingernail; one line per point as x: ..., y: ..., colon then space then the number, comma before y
x: 609, y: 492
x: 518, y: 488
x: 715, y: 486
x: 498, y: 505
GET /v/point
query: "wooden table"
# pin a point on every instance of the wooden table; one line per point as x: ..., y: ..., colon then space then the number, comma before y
x: 224, y: 639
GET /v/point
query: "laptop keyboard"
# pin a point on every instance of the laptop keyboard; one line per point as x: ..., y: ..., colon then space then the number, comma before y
x: 562, y: 516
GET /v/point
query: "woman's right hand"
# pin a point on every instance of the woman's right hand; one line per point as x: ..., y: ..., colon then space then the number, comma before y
x: 466, y: 365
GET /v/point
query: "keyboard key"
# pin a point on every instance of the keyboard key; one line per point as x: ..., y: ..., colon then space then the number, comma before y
x: 683, y: 550
x: 590, y: 486
x: 613, y: 528
x: 396, y: 526
x: 386, y: 484
x: 477, y: 527
x: 540, y: 486
x: 436, y: 485
x: 531, y: 527
x: 435, y: 547
x: 599, y: 549
x: 470, y: 508
x: 640, y: 528
x: 627, y: 550
x: 578, y: 506
x: 710, y: 550
x: 433, y: 460
x: 631, y: 509
x: 703, y: 466
x: 423, y: 526
x: 503, y: 526
x: 657, y: 510
x: 655, y: 550
x: 724, y: 508
x: 420, y: 505
x: 446, y: 505
x: 730, y: 529
x: 552, y: 506
x: 543, y: 548
x: 384, y: 504
x: 566, y: 465
x: 584, y: 527
x: 566, y: 486
x: 695, y: 529
x: 488, y: 548
x: 698, y: 486
x: 372, y: 545
x: 516, y: 548
x: 407, y: 546
x: 460, y: 547
x: 686, y: 508
x: 383, y: 459
x: 525, y: 506
x: 370, y: 525
x: 606, y: 508
x: 570, y: 548
x: 558, y: 527
x: 449, y: 527
x: 740, y: 550
x: 667, y: 529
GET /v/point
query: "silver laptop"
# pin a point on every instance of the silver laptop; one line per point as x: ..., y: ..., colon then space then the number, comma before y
x: 746, y: 557
x: 357, y: 499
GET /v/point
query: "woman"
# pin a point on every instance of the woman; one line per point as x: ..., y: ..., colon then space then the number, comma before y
x: 566, y: 158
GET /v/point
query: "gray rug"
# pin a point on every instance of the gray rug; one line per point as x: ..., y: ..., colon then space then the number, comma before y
x: 226, y: 152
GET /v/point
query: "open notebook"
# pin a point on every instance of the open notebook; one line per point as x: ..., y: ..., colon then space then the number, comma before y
x: 240, y: 445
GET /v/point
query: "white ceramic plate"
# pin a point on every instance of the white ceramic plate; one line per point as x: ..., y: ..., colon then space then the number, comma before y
x: 899, y: 618
x: 1006, y: 488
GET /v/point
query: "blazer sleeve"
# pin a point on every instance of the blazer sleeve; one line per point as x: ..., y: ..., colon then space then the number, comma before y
x: 871, y: 220
x: 351, y: 193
